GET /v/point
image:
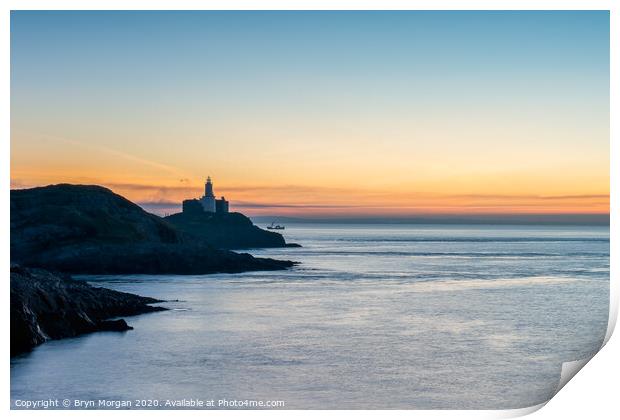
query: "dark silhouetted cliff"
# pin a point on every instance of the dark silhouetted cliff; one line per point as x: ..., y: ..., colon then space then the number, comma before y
x: 226, y: 231
x: 90, y: 230
x: 49, y: 306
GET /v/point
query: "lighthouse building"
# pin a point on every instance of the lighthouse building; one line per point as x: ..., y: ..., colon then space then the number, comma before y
x: 207, y: 203
x: 208, y: 200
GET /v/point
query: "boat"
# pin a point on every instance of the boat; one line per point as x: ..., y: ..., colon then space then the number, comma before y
x: 272, y: 226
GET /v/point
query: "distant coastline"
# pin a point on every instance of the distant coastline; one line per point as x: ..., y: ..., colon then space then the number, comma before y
x: 491, y: 219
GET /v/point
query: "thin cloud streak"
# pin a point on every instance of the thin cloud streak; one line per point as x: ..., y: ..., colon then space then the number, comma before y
x: 117, y: 153
x: 322, y: 200
x: 161, y: 189
x: 313, y: 189
x: 193, y: 191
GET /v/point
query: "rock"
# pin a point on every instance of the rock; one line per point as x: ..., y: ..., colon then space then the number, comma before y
x: 49, y: 306
x: 88, y: 229
x: 225, y: 231
x: 113, y: 325
x: 149, y: 259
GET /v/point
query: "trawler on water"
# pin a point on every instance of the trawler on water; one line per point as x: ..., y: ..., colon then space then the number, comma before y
x: 272, y: 226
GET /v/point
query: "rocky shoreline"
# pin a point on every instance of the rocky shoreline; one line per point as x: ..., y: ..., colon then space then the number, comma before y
x: 50, y: 306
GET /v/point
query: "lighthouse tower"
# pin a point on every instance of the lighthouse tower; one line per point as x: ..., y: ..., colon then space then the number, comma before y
x: 208, y: 200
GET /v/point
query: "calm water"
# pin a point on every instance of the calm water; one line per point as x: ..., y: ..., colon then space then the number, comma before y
x: 375, y: 316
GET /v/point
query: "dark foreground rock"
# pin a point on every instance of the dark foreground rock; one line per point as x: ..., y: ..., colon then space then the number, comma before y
x: 49, y: 306
x: 93, y: 258
x: 118, y: 325
x: 88, y: 229
x: 226, y: 231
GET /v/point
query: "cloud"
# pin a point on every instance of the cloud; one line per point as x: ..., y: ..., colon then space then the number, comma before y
x: 246, y: 204
x: 159, y: 204
x: 159, y: 189
x: 17, y: 184
x: 287, y: 188
x: 530, y: 196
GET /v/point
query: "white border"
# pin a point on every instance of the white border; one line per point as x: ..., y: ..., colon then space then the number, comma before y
x: 597, y: 387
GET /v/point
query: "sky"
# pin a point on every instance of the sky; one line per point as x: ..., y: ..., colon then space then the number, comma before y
x: 318, y: 114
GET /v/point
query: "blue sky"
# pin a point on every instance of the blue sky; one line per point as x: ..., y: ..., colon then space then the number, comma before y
x: 322, y: 95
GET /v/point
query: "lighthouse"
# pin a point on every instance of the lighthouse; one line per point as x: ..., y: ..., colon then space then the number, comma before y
x: 207, y: 203
x: 208, y: 200
x: 209, y: 188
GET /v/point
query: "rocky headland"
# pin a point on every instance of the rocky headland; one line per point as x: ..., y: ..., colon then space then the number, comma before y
x: 226, y: 231
x: 49, y: 306
x: 88, y: 229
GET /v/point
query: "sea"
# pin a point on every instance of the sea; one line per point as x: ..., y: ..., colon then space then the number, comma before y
x: 388, y: 316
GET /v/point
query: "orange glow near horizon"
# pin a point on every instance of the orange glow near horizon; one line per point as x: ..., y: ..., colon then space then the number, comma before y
x: 341, y: 184
x: 313, y: 201
x: 342, y: 178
